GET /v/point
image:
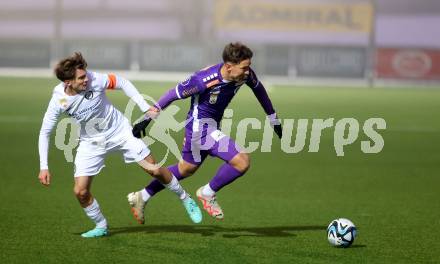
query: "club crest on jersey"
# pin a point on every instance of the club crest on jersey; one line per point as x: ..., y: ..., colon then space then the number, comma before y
x: 214, y: 95
x: 88, y: 95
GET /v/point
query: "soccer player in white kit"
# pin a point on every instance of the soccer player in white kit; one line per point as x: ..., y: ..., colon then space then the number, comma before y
x: 103, y: 129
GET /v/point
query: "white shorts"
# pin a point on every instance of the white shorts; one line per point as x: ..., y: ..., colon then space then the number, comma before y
x: 90, y: 154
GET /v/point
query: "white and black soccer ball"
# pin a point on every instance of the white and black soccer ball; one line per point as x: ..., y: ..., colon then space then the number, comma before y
x: 341, y: 232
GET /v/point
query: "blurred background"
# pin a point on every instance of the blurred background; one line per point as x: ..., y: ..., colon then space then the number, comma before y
x: 367, y: 41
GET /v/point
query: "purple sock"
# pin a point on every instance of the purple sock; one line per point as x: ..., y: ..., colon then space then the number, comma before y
x: 155, y: 186
x: 225, y: 175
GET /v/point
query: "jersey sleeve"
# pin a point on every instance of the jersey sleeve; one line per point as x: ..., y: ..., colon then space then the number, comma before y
x: 260, y: 92
x: 49, y: 121
x: 114, y: 82
x: 98, y: 81
x: 252, y: 80
x: 190, y: 86
x: 184, y: 89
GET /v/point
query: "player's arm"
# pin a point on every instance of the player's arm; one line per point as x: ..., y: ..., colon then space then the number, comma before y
x: 120, y: 83
x: 113, y: 82
x: 182, y: 90
x: 262, y: 96
x: 49, y: 121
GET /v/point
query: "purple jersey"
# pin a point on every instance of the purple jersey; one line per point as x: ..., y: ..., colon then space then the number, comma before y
x: 210, y: 94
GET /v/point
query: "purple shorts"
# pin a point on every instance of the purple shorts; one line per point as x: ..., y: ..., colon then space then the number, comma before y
x: 197, y: 145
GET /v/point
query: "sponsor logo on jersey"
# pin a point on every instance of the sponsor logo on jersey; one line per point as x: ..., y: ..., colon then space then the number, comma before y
x: 212, y: 83
x: 190, y: 91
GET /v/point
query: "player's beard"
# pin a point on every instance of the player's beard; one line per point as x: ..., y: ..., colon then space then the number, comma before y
x: 81, y: 88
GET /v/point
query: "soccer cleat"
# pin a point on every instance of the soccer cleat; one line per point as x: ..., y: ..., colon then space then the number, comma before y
x: 210, y: 204
x: 96, y: 232
x: 192, y: 209
x: 137, y: 206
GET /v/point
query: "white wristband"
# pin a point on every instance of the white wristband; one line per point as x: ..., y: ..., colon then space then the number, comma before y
x: 273, y: 119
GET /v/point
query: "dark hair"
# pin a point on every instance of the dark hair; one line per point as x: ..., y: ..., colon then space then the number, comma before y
x: 66, y: 68
x: 236, y: 53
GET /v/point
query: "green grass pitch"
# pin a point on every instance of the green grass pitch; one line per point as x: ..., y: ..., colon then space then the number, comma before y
x: 277, y: 213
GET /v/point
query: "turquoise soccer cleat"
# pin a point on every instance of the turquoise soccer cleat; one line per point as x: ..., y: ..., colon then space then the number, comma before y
x: 192, y: 209
x: 97, y: 232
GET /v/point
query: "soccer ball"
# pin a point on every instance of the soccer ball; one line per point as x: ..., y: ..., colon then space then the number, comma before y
x: 341, y: 232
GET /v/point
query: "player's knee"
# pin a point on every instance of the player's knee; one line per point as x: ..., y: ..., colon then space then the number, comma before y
x: 81, y: 194
x: 156, y: 172
x: 241, y: 162
x: 187, y: 170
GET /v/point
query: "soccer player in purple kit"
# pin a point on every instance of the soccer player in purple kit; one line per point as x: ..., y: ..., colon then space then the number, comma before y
x: 211, y: 90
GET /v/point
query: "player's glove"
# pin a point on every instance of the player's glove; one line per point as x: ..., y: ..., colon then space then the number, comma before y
x: 276, y: 124
x: 278, y: 130
x: 139, y: 128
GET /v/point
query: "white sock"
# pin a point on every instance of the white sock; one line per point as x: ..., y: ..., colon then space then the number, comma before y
x: 175, y: 187
x: 145, y: 195
x: 94, y: 212
x: 207, y: 191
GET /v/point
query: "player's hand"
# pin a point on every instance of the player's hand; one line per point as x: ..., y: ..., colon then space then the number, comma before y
x: 152, y: 113
x: 44, y: 177
x: 278, y: 130
x: 139, y: 128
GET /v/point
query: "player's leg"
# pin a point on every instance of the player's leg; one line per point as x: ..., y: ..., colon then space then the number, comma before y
x: 236, y: 164
x: 163, y: 176
x: 90, y: 206
x: 167, y: 179
x: 183, y: 169
x: 231, y: 170
x: 180, y: 170
x: 135, y: 149
x: 88, y: 162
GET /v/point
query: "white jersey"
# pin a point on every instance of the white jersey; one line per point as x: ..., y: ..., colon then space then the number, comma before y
x: 91, y: 109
